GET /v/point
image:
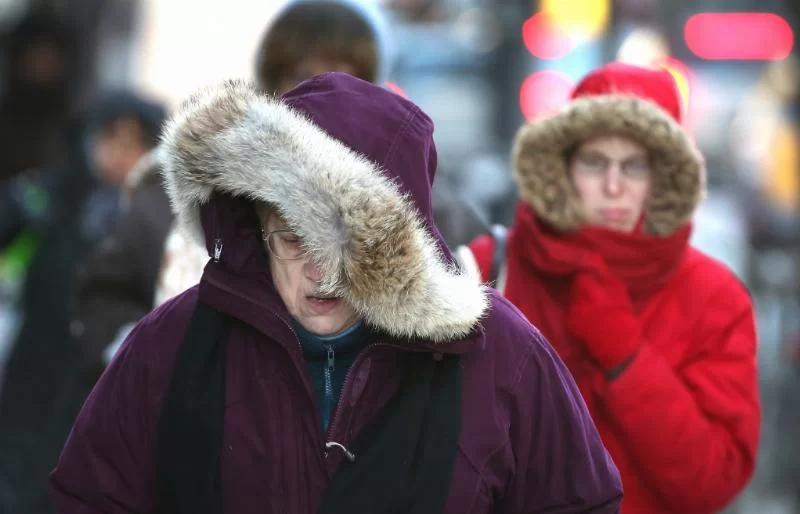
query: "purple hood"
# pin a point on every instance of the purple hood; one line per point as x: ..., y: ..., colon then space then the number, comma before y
x: 365, y: 216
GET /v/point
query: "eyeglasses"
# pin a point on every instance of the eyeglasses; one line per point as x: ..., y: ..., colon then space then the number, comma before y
x: 284, y: 244
x: 591, y: 163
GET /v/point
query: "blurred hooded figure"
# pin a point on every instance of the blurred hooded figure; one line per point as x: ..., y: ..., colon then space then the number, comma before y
x: 38, y: 96
x: 114, y: 284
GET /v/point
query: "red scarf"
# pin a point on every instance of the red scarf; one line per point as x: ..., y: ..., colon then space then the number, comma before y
x: 542, y: 262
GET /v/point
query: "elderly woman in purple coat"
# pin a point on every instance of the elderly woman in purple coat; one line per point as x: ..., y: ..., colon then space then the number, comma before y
x: 332, y: 359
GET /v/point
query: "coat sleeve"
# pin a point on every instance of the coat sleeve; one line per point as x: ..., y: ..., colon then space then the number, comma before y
x: 108, y: 462
x: 693, y: 430
x: 562, y: 466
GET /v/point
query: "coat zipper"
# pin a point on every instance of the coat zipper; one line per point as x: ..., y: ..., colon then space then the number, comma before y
x: 217, y: 256
x: 330, y: 367
x: 345, y: 389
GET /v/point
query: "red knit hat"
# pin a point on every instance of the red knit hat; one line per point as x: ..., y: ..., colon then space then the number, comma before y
x: 641, y: 103
x: 654, y: 84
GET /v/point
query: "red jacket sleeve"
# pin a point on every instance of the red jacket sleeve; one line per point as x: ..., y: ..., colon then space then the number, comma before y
x: 694, y: 430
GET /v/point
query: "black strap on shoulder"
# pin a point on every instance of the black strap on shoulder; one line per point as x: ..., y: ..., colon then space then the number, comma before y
x: 190, y: 428
x: 499, y: 233
x: 403, y: 460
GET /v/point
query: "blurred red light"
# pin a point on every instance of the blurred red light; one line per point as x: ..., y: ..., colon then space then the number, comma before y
x: 544, y: 92
x: 544, y: 39
x: 739, y: 36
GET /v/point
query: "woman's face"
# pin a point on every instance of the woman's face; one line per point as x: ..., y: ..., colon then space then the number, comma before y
x: 612, y: 177
x: 296, y: 278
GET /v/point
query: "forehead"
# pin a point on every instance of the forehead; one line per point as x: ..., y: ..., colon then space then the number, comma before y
x: 269, y: 218
x: 614, y: 145
x: 123, y: 126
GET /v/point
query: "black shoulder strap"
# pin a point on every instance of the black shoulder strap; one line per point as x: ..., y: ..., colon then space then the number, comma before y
x: 189, y: 443
x: 499, y: 234
x: 402, y: 462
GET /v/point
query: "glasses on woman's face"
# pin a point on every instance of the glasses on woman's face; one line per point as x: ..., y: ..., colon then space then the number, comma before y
x: 284, y: 245
x: 592, y: 163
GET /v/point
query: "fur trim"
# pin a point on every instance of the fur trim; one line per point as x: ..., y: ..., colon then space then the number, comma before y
x: 541, y: 170
x: 367, y: 238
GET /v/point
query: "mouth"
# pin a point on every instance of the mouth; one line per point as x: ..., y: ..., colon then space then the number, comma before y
x: 320, y: 298
x: 323, y: 303
x: 614, y: 215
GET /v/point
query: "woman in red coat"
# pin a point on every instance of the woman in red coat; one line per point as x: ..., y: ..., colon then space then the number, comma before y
x: 659, y: 336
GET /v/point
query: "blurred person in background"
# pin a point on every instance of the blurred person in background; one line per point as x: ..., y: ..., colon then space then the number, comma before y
x: 419, y: 11
x: 332, y: 359
x: 764, y: 143
x: 41, y: 385
x: 307, y: 38
x: 41, y: 68
x: 660, y: 338
x: 38, y: 94
x: 764, y: 139
x: 115, y: 283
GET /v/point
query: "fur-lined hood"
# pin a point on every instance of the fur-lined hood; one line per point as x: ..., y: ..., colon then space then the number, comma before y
x: 639, y: 103
x: 349, y: 165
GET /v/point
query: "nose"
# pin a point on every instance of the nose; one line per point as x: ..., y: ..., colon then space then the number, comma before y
x: 312, y: 271
x: 613, y: 182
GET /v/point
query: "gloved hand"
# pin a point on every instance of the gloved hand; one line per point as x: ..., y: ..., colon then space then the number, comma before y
x: 601, y: 317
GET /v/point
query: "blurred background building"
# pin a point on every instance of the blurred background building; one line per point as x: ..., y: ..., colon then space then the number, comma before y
x: 480, y: 68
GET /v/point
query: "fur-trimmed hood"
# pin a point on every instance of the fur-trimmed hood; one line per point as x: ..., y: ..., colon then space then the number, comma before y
x: 640, y: 103
x: 349, y: 166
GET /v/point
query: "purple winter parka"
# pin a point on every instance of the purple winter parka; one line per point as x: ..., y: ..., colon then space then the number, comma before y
x: 349, y: 165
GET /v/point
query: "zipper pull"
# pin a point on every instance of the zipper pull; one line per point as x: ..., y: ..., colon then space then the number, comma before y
x: 347, y: 453
x: 331, y: 359
x: 217, y: 249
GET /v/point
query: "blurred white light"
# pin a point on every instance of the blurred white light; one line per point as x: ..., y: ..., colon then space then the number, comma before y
x: 643, y: 47
x: 185, y: 44
x: 479, y: 29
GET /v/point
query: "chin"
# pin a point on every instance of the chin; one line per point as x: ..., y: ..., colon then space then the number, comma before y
x: 627, y: 229
x: 323, y: 330
x: 616, y: 227
x: 324, y: 327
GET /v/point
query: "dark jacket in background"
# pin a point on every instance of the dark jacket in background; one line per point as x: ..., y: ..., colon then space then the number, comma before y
x: 36, y: 393
x: 115, y: 285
